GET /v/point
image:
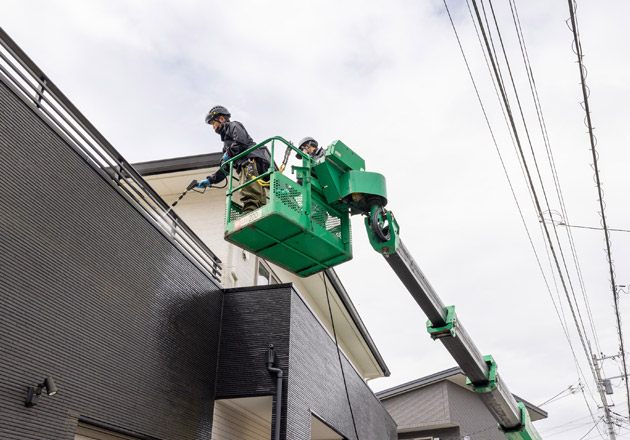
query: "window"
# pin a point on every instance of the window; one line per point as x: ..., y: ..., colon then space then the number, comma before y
x: 265, y: 275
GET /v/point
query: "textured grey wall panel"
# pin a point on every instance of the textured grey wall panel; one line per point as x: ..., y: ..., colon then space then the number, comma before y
x: 425, y: 406
x: 443, y: 402
x: 471, y: 415
x: 316, y: 384
x: 94, y: 296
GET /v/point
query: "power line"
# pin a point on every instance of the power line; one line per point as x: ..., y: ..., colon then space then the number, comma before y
x: 554, y: 172
x: 578, y: 50
x: 518, y: 206
x: 591, y: 227
x: 343, y: 374
x: 499, y: 80
x: 529, y: 178
x: 537, y: 168
x: 561, y: 316
x: 589, y: 431
x: 556, y: 397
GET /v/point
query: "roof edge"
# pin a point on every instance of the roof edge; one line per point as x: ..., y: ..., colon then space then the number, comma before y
x: 172, y: 165
x: 442, y: 375
x: 418, y: 383
x: 354, y: 314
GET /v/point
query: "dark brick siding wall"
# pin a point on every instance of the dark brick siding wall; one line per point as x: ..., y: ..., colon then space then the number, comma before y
x: 94, y: 296
x: 316, y: 384
x: 253, y: 318
x: 469, y: 412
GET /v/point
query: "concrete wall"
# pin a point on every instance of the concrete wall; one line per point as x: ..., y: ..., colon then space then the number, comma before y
x: 95, y: 296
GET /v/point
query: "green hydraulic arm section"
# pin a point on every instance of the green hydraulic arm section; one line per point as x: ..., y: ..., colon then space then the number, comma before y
x: 305, y: 228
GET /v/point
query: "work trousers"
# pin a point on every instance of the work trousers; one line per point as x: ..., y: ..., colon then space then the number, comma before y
x: 253, y: 196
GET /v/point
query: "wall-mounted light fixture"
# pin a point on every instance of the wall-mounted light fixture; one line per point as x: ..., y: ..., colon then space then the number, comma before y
x: 32, y: 397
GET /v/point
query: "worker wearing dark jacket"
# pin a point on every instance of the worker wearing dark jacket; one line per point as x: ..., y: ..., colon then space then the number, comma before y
x: 236, y: 140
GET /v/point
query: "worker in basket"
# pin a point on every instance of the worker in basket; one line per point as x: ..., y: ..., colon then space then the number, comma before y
x: 236, y: 140
x: 309, y: 145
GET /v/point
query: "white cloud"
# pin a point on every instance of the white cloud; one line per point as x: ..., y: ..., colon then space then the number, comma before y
x: 388, y: 79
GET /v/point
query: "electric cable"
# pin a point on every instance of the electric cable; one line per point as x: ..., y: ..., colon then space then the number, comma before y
x: 550, y: 158
x: 503, y: 110
x: 563, y: 319
x: 537, y: 168
x: 499, y: 80
x: 572, y: 428
x: 569, y: 388
x: 343, y: 375
x: 589, y: 431
x: 545, y: 137
x: 578, y: 51
x: 518, y: 206
x: 553, y: 428
x: 579, y: 321
x: 561, y: 315
x: 562, y: 322
x: 530, y: 180
x: 591, y: 227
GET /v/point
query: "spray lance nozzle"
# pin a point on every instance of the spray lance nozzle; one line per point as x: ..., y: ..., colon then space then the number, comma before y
x: 192, y: 185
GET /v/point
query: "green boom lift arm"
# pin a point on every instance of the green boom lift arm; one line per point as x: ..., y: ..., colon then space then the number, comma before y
x: 306, y: 229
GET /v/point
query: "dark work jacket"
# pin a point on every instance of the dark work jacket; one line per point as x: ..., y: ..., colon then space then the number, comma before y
x: 236, y: 140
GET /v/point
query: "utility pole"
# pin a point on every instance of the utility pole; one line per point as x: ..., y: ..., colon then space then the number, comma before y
x: 607, y: 416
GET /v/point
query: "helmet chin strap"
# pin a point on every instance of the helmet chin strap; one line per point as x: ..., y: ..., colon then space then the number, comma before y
x: 220, y: 127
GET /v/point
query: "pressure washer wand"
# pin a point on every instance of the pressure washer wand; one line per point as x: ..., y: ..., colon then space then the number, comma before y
x: 190, y: 186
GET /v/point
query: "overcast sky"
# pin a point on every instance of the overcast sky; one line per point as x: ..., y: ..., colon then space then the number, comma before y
x: 389, y: 80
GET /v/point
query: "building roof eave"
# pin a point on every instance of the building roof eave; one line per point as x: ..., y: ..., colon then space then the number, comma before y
x: 445, y: 375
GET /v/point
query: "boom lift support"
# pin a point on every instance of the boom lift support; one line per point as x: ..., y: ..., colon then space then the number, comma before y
x: 305, y: 228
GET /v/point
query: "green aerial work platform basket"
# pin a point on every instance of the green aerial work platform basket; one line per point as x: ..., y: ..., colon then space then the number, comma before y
x: 296, y: 229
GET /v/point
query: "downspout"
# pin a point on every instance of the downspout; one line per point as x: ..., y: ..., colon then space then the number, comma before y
x: 271, y: 361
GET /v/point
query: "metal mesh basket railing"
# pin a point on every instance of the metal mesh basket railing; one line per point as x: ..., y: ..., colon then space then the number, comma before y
x: 326, y: 219
x: 288, y: 193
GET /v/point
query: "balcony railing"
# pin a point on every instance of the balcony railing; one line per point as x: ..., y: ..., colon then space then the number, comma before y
x: 23, y: 76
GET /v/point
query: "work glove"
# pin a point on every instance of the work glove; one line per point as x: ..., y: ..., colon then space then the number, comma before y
x: 225, y: 158
x: 204, y: 184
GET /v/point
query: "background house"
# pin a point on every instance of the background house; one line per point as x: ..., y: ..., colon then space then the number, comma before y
x: 440, y: 406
